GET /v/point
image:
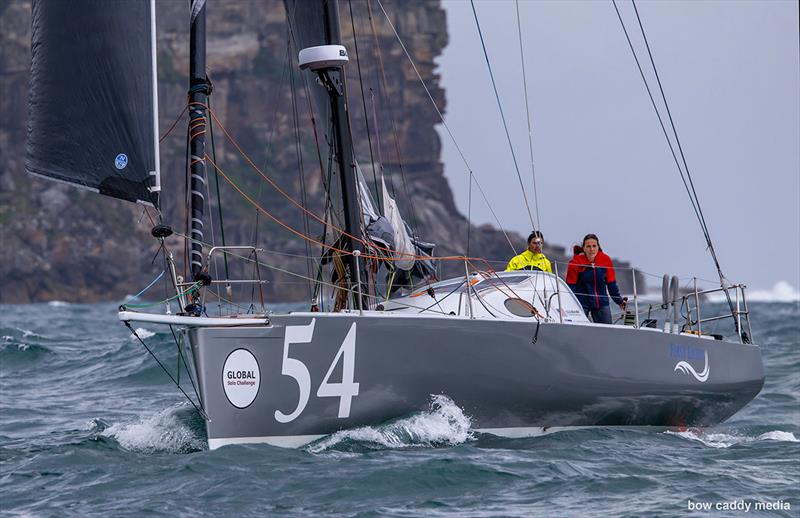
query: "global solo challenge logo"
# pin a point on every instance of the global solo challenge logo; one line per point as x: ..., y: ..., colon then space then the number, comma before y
x: 686, y: 354
x: 241, y: 378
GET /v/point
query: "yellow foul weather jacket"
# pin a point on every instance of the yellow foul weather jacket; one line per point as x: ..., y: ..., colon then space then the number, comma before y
x: 527, y: 259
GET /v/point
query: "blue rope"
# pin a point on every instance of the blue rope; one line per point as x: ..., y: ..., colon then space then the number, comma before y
x: 147, y: 288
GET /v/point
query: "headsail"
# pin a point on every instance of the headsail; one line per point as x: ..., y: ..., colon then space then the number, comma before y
x: 92, y: 105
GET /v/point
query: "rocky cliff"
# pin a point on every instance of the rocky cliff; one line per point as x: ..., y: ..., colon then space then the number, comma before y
x: 61, y: 243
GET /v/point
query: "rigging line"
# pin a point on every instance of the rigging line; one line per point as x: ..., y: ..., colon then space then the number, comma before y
x: 378, y: 141
x: 364, y: 104
x: 351, y: 291
x: 267, y: 149
x: 693, y: 198
x: 205, y: 416
x: 175, y: 123
x: 268, y: 145
x: 378, y: 145
x: 385, y: 84
x: 368, y: 245
x: 658, y: 113
x: 287, y: 196
x: 419, y: 76
x: 441, y: 117
x: 300, y: 170
x: 502, y: 114
x: 191, y: 289
x: 219, y: 194
x: 680, y: 148
x: 437, y: 302
x: 490, y: 274
x: 471, y: 286
x: 186, y: 201
x: 290, y: 40
x: 207, y: 201
x: 528, y: 118
x: 134, y: 297
x: 483, y: 194
x: 287, y: 66
x: 307, y: 90
x: 469, y: 211
x: 183, y: 360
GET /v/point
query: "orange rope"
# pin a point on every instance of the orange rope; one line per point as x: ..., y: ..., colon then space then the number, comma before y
x: 311, y: 239
x: 301, y: 207
x: 177, y: 119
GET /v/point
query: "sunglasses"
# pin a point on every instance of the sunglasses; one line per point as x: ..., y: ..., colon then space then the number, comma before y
x: 537, y: 242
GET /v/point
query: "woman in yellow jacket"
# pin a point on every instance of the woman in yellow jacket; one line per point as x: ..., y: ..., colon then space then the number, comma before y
x: 532, y: 258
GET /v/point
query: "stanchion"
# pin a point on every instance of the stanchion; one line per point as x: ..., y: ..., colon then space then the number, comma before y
x: 558, y: 294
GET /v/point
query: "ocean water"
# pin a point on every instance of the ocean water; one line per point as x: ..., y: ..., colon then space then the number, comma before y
x: 91, y: 426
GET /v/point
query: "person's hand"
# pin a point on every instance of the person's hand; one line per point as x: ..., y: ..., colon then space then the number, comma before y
x: 624, y: 303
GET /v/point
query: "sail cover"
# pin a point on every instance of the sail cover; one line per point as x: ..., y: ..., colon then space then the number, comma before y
x: 92, y: 109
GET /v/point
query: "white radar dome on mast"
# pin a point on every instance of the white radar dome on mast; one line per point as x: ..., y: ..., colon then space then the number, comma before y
x: 323, y: 56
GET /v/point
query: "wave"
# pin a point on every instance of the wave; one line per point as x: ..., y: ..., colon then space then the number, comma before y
x: 781, y: 292
x: 57, y: 303
x: 172, y: 430
x: 11, y: 347
x: 142, y: 333
x: 27, y: 333
x: 726, y: 440
x: 443, y: 424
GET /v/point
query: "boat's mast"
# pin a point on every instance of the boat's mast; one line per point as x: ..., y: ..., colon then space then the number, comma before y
x: 344, y: 152
x: 199, y: 89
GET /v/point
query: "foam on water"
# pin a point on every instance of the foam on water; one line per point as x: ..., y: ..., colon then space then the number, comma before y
x: 781, y: 292
x: 162, y: 432
x: 142, y: 333
x: 726, y: 440
x: 444, y: 424
x: 778, y: 435
x: 57, y: 303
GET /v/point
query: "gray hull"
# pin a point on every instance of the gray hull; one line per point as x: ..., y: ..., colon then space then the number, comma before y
x: 505, y: 375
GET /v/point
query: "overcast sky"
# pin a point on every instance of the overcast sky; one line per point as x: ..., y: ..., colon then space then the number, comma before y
x: 730, y: 72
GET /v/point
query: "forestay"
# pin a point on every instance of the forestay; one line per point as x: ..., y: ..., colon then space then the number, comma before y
x: 92, y: 103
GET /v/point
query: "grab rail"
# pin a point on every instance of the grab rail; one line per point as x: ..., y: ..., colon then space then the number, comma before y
x: 740, y: 313
x: 692, y: 301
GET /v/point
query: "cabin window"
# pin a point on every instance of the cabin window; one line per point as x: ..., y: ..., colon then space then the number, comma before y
x: 519, y: 307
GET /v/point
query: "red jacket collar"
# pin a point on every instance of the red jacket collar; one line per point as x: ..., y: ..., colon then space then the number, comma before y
x: 602, y: 259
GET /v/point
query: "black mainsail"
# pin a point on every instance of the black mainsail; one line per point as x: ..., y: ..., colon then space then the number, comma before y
x: 93, y: 108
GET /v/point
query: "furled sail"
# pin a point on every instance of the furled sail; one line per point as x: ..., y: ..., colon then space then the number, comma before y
x: 378, y: 228
x: 404, y: 247
x: 92, y: 106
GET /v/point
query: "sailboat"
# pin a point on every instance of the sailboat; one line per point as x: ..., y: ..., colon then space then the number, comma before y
x: 514, y: 349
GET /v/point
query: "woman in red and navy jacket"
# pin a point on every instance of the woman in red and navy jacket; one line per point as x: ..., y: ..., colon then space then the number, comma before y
x: 591, y: 277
